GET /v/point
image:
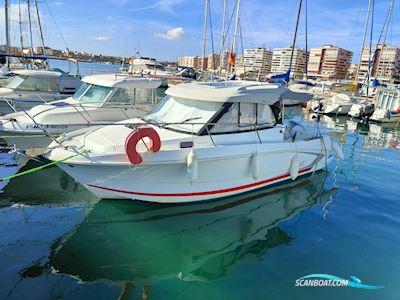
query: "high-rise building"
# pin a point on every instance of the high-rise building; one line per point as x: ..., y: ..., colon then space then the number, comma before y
x: 257, y: 62
x: 281, y: 61
x: 385, y: 63
x: 329, y: 62
x: 213, y: 62
x: 201, y: 64
x: 188, y: 61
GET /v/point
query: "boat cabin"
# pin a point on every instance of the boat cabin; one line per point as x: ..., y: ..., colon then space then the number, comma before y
x: 44, y: 81
x: 388, y: 99
x: 219, y: 108
x: 117, y: 90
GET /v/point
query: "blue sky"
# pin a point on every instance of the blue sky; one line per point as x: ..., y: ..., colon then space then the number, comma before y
x: 169, y: 28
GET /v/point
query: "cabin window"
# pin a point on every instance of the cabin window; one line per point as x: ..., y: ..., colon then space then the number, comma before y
x: 244, y: 117
x: 183, y: 115
x: 95, y: 94
x: 37, y: 84
x: 122, y: 96
x: 247, y: 114
x: 78, y: 94
x: 125, y: 96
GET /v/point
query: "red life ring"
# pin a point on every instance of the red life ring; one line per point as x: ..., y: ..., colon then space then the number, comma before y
x: 133, y: 139
x: 398, y: 110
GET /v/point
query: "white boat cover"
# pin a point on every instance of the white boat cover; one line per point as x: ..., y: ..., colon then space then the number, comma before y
x: 229, y: 91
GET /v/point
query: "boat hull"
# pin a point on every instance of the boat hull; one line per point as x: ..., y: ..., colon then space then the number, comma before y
x: 215, y: 178
x: 385, y: 116
x: 339, y: 110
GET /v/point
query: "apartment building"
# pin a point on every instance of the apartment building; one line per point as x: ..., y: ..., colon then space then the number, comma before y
x: 385, y: 63
x: 281, y: 61
x: 257, y: 62
x: 329, y: 62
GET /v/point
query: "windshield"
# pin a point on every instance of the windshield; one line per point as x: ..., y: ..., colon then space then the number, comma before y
x: 34, y: 84
x: 183, y: 112
x: 158, y: 67
x: 78, y: 94
x: 93, y: 94
x: 15, y: 82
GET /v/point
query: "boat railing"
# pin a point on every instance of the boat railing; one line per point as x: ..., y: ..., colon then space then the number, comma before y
x: 132, y: 125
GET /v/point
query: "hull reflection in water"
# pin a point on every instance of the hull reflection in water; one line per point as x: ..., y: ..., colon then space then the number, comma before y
x: 45, y: 187
x: 140, y: 243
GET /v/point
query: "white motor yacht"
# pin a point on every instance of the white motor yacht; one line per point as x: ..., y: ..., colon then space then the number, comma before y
x: 150, y: 67
x: 203, y: 141
x: 339, y: 104
x: 29, y: 88
x: 101, y: 98
x: 387, y: 105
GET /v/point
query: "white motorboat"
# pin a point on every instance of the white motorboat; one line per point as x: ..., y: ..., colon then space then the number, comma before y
x: 101, y: 98
x: 387, y: 105
x: 203, y: 141
x: 339, y: 104
x: 362, y: 110
x: 29, y: 88
x: 150, y: 67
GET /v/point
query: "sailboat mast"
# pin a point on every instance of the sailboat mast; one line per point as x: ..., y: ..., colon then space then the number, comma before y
x: 30, y: 26
x: 7, y: 20
x: 307, y: 57
x: 295, y: 37
x: 221, y: 60
x: 204, y: 36
x: 364, y: 38
x: 20, y: 27
x: 236, y: 30
x: 40, y: 27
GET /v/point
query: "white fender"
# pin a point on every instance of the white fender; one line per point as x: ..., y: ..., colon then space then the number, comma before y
x: 294, y: 167
x: 255, y: 165
x: 338, y: 150
x: 192, y: 167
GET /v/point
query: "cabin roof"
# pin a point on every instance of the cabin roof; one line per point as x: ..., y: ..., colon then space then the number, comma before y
x: 123, y: 81
x: 229, y: 91
x: 38, y: 73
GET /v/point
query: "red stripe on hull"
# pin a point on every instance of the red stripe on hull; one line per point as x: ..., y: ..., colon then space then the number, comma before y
x: 233, y: 189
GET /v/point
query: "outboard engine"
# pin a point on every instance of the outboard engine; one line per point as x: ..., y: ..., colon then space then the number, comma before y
x: 295, y: 131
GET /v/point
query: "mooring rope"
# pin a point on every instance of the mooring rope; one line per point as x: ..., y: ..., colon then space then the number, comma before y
x: 37, y: 168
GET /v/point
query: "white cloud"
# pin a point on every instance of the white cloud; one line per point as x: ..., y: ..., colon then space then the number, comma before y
x: 58, y: 3
x: 109, y: 18
x: 163, y: 5
x: 171, y: 34
x: 101, y: 38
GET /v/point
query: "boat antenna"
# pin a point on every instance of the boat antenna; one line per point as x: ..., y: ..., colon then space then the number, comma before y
x: 7, y: 20
x: 363, y: 40
x: 40, y: 27
x: 295, y: 38
x: 204, y: 36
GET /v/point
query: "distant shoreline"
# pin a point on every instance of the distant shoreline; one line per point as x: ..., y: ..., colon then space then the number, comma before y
x: 82, y: 60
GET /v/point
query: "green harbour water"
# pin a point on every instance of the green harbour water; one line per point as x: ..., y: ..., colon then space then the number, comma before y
x: 57, y: 241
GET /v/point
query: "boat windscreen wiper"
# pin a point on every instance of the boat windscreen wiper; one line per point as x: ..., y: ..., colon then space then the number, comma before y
x: 190, y: 119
